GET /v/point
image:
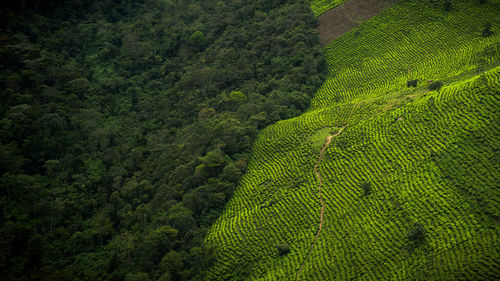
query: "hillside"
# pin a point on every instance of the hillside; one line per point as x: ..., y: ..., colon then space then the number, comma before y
x: 393, y: 172
x: 336, y: 22
x: 320, y: 6
x: 125, y: 126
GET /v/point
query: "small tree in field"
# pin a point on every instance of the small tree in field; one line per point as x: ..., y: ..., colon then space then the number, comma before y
x: 283, y: 249
x: 416, y: 236
x: 412, y: 83
x: 366, y: 187
x: 487, y: 30
x: 435, y: 86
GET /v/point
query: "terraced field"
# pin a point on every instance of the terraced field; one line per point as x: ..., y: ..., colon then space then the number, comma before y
x: 409, y: 189
x: 320, y: 6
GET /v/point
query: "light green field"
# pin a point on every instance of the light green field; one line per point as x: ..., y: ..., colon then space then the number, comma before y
x: 432, y: 158
x: 320, y: 6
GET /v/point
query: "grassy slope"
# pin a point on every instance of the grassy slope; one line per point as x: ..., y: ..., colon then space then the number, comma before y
x: 320, y: 6
x: 432, y: 158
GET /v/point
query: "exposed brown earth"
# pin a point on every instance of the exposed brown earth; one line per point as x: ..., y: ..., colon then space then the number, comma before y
x: 339, y: 20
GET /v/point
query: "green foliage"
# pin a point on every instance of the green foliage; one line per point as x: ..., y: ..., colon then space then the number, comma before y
x: 140, y: 276
x: 447, y: 5
x: 231, y: 173
x: 205, y: 113
x: 198, y: 39
x: 283, y: 249
x: 320, y: 6
x: 366, y: 187
x: 172, y: 262
x: 214, y: 158
x: 435, y: 86
x: 416, y: 236
x: 122, y: 134
x: 412, y: 83
x: 237, y: 96
x: 486, y: 32
x: 123, y: 139
x: 430, y: 155
x: 432, y: 53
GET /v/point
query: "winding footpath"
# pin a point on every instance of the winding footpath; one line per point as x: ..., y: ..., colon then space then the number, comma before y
x: 328, y: 139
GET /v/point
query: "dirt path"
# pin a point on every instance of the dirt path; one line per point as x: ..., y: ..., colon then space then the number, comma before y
x: 320, y: 195
x: 339, y: 20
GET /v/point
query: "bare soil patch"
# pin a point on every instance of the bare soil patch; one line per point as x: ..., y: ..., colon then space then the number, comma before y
x: 339, y: 20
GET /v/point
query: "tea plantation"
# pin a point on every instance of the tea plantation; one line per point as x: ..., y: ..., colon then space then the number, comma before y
x: 320, y: 6
x: 394, y: 172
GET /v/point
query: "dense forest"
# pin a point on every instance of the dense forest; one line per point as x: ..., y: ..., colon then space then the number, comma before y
x: 126, y: 125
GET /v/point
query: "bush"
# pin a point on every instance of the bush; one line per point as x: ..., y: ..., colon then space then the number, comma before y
x: 412, y: 83
x: 283, y: 249
x: 487, y: 30
x: 435, y: 86
x: 447, y: 6
x: 366, y: 187
x: 416, y: 236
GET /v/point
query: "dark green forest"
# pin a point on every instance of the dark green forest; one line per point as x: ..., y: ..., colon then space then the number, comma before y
x: 126, y: 125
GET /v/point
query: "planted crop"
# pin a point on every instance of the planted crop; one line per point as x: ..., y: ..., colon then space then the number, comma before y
x: 409, y: 190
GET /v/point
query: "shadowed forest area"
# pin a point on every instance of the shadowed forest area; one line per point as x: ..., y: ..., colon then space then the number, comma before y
x: 126, y: 125
x: 199, y: 140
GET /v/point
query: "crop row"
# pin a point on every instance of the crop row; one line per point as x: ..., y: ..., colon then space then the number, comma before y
x: 413, y: 192
x: 398, y: 52
x: 320, y: 6
x: 275, y: 198
x: 395, y: 156
x: 431, y: 161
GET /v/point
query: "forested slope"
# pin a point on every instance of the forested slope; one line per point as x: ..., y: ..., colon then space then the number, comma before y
x: 393, y: 172
x: 125, y: 126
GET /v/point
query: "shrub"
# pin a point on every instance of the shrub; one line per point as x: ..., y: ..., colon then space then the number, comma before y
x: 283, y: 249
x: 487, y: 30
x: 412, y: 83
x: 416, y: 236
x: 447, y: 6
x: 435, y: 86
x: 366, y: 187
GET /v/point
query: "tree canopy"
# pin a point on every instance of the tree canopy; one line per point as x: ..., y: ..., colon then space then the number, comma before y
x: 126, y: 125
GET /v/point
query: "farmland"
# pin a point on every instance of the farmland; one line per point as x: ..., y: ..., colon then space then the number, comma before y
x: 407, y: 124
x: 320, y: 6
x: 336, y: 22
